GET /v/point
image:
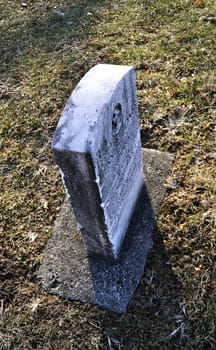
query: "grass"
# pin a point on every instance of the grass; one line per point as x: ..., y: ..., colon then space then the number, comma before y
x: 46, y: 47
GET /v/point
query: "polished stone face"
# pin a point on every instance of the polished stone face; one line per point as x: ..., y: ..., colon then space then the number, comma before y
x: 97, y: 147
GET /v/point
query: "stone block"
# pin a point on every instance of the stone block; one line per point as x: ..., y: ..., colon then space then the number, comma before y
x: 98, y: 150
x: 68, y: 271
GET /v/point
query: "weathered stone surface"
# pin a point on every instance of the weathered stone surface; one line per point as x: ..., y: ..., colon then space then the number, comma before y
x: 68, y: 271
x: 97, y: 147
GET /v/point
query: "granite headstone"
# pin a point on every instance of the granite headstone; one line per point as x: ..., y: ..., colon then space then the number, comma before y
x: 98, y: 150
x: 97, y: 147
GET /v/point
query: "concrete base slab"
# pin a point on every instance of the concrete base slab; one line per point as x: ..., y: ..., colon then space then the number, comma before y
x: 68, y: 271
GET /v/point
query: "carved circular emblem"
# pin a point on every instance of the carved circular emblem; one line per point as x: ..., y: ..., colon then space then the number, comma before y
x: 117, y: 119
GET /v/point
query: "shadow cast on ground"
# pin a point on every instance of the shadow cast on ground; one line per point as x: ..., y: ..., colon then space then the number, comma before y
x: 47, y: 29
x: 155, y: 313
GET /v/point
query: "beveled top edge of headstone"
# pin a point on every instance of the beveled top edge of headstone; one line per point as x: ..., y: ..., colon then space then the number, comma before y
x: 85, y: 105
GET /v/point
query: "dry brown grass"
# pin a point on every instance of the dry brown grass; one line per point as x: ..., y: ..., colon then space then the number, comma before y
x: 46, y: 47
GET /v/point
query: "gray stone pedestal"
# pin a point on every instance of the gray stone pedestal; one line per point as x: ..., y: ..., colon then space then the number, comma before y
x: 66, y: 269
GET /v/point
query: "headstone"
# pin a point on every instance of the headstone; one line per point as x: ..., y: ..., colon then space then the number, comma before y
x: 97, y: 147
x: 98, y: 150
